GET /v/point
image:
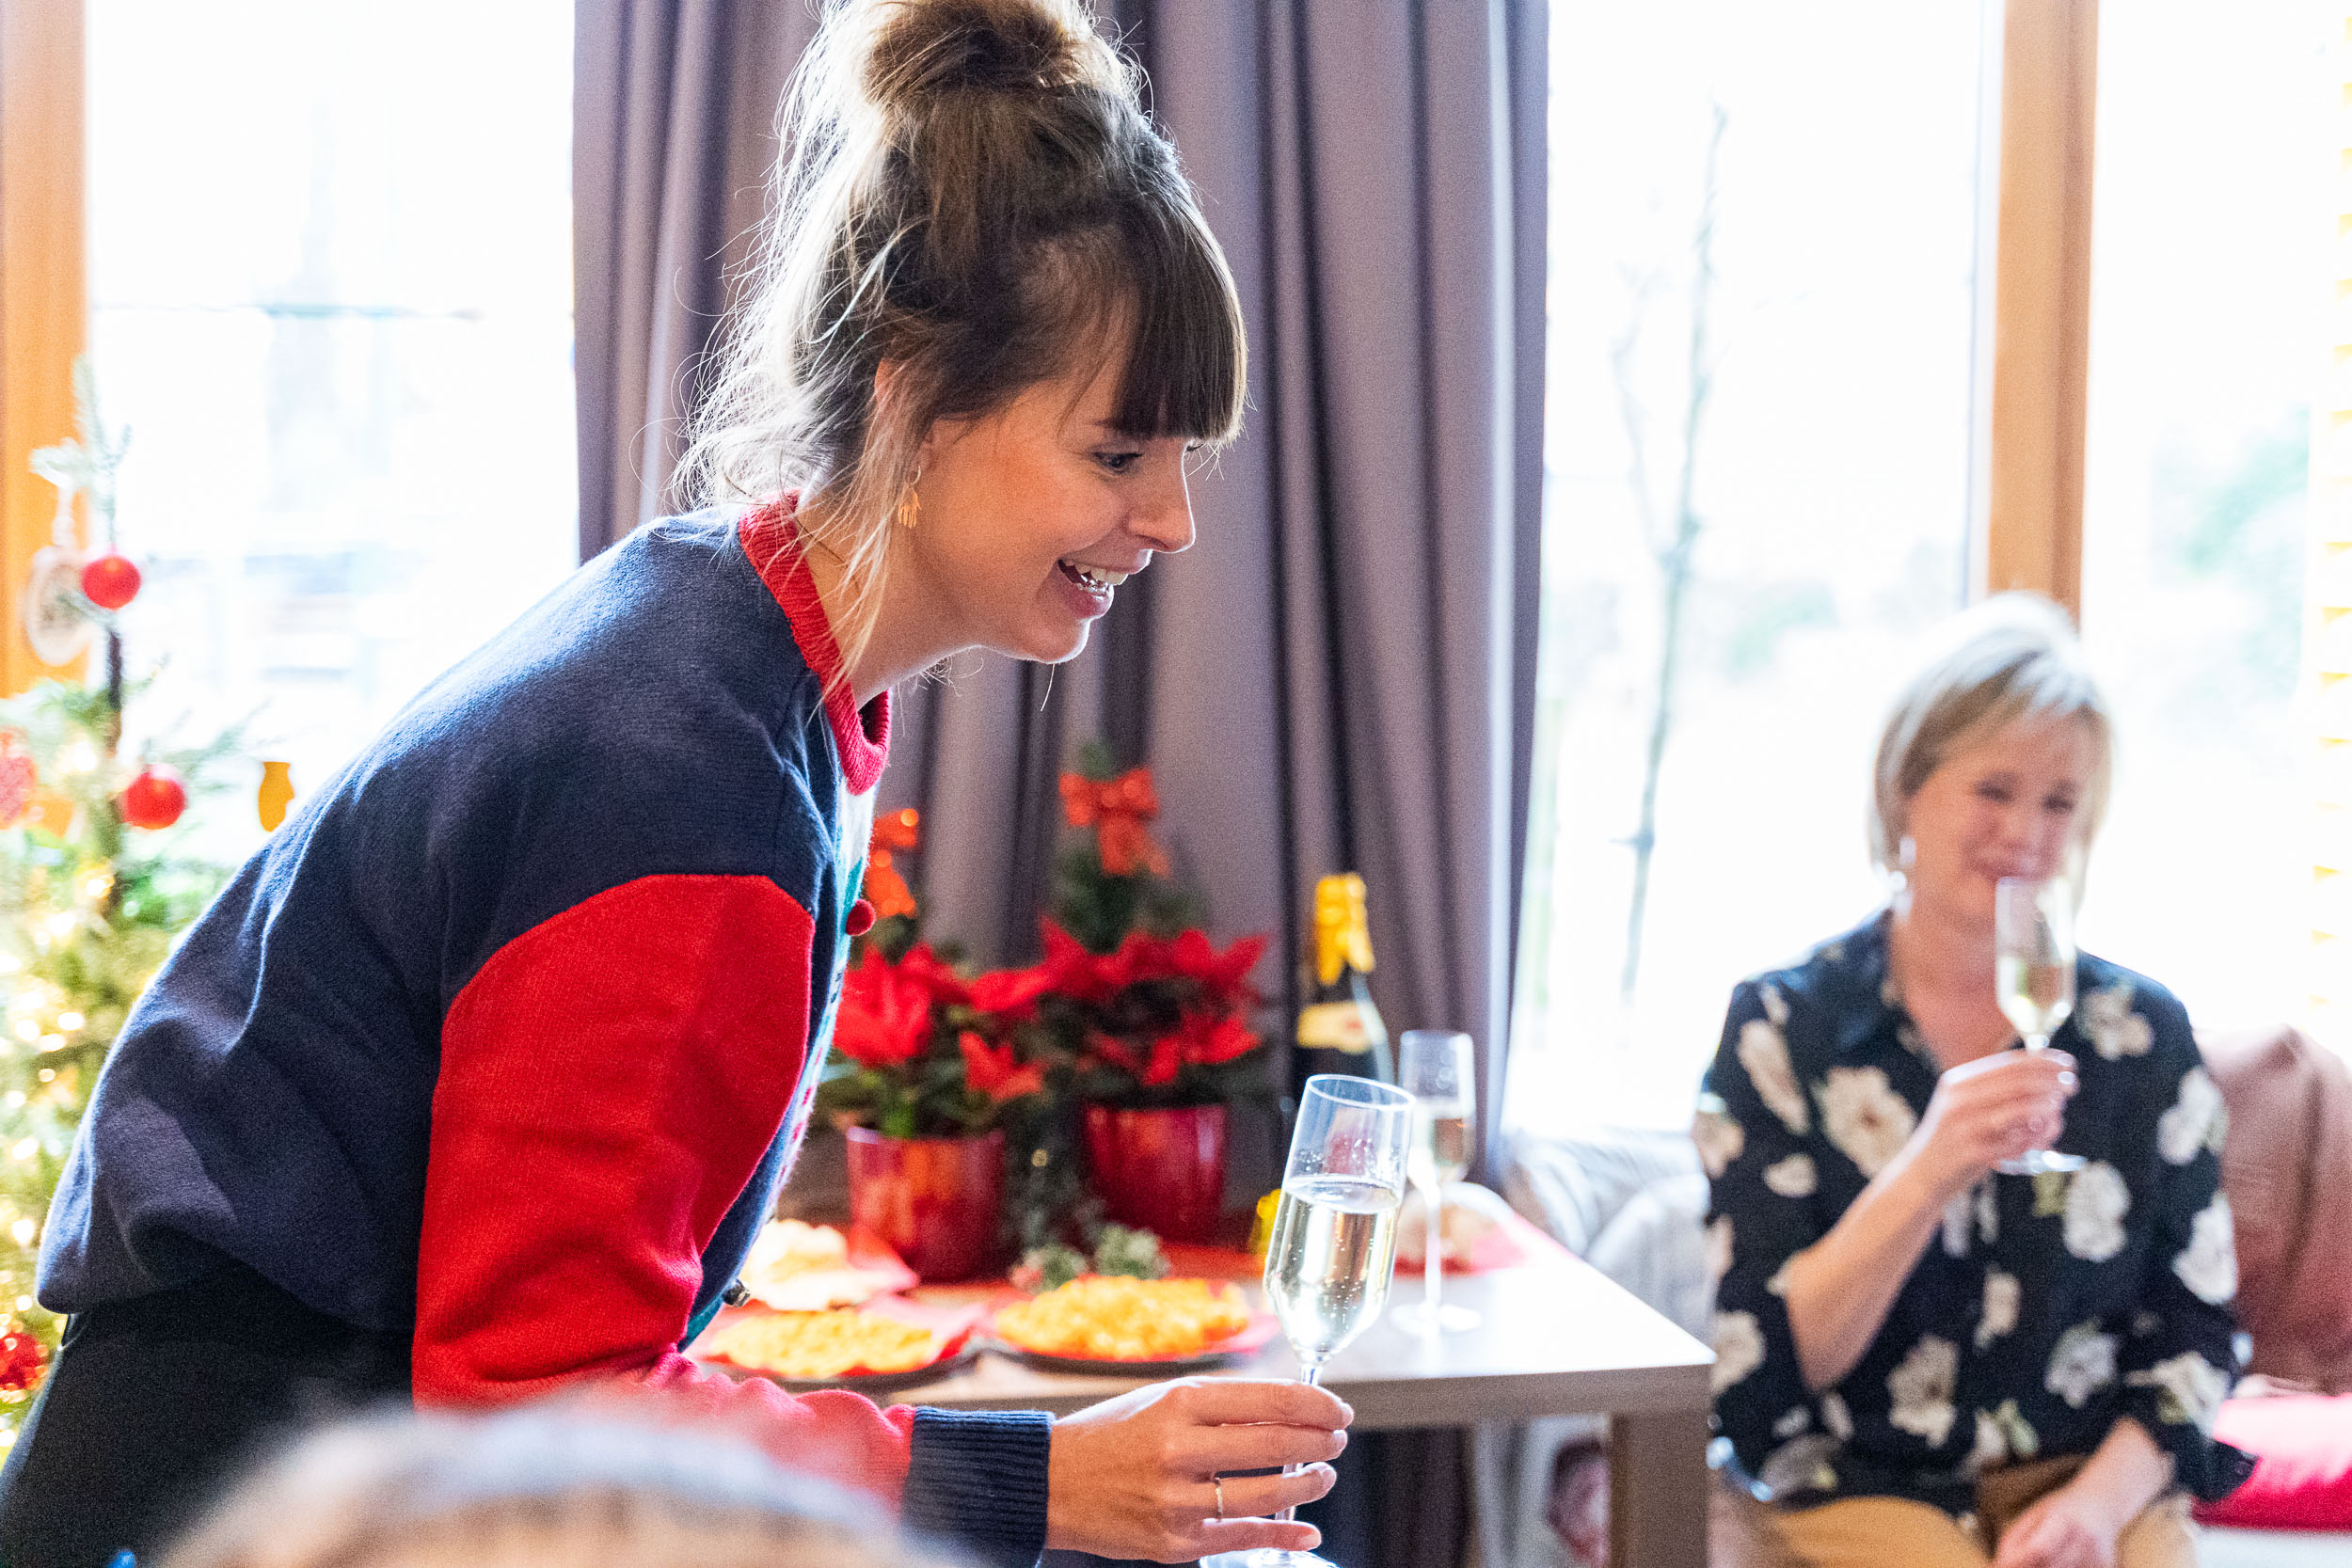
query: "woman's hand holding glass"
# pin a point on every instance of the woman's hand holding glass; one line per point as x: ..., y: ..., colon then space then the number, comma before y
x: 1988, y: 1111
x: 1136, y: 1476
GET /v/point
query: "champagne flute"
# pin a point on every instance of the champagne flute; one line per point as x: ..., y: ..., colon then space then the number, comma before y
x: 2033, y: 975
x: 1438, y: 1070
x: 1334, y: 1242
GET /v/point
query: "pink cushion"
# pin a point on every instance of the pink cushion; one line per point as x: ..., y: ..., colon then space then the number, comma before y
x: 2302, y: 1447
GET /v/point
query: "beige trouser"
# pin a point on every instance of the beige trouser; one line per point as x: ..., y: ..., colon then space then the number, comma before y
x: 1883, y: 1532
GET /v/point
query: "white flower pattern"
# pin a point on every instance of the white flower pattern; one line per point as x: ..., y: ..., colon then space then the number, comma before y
x: 1738, y: 1348
x: 1992, y: 1449
x: 1921, y: 1390
x: 1836, y: 1417
x: 1793, y: 1177
x: 2097, y: 1199
x: 1764, y: 1051
x: 2192, y: 1388
x: 1863, y: 1116
x: 2001, y: 1294
x: 1720, y: 1138
x: 2117, y: 1030
x: 2081, y: 1365
x: 1719, y: 1247
x: 2193, y: 1119
x: 2208, y: 1265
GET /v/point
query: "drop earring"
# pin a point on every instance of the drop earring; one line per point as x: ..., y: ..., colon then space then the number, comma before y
x: 911, y: 505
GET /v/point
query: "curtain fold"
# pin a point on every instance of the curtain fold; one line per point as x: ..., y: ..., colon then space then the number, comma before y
x: 674, y: 118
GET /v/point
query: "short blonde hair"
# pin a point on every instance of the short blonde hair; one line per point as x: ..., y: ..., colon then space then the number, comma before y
x: 2014, y: 657
x: 552, y: 1487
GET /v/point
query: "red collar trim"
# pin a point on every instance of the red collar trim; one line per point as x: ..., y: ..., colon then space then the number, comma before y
x: 772, y: 545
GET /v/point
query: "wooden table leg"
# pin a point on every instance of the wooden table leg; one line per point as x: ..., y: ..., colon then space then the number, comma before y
x: 1658, y: 1496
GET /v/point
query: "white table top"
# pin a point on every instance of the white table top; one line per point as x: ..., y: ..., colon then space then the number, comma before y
x: 1555, y: 1338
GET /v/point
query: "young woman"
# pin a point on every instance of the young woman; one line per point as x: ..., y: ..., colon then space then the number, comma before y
x: 1918, y: 1360
x: 479, y: 1079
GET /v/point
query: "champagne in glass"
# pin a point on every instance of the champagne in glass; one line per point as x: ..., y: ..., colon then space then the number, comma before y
x: 1438, y: 1070
x: 1334, y: 1240
x: 2033, y: 977
x: 1334, y: 1236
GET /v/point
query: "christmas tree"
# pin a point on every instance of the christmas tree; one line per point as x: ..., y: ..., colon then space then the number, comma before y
x: 94, y: 885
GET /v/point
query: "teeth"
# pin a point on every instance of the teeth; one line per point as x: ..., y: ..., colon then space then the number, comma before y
x: 1095, y: 576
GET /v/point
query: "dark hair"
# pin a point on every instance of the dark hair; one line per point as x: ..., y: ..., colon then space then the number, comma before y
x: 973, y: 196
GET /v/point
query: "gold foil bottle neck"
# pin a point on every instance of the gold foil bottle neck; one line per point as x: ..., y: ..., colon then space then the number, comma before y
x: 1343, y: 929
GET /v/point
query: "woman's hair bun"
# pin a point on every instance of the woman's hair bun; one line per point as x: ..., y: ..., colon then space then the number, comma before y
x: 923, y: 48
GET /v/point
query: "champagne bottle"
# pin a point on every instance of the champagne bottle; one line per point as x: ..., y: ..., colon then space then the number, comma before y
x: 1339, y: 1029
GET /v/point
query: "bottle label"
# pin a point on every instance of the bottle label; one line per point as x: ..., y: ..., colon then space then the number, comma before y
x: 1334, y: 1026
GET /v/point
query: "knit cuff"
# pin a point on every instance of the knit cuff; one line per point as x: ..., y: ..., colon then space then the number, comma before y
x: 978, y: 1479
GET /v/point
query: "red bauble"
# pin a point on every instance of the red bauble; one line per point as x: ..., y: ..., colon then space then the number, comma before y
x: 110, y: 581
x: 153, y: 800
x: 22, y: 1359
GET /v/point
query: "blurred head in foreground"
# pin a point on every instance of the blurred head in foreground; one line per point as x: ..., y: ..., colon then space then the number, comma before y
x: 535, y: 1489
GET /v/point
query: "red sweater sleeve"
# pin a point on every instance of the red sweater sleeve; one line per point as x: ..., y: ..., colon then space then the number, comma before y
x: 610, y: 1081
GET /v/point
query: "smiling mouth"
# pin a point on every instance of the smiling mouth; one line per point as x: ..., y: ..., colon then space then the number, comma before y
x: 1099, y: 579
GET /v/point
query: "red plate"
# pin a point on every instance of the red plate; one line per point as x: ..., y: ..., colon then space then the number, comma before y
x: 1261, y: 1329
x: 951, y: 1345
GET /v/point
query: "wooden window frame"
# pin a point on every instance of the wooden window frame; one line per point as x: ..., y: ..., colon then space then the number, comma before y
x: 43, y: 286
x: 2027, y: 504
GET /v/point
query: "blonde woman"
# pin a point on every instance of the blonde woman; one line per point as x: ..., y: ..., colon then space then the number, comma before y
x: 480, y: 1078
x: 535, y: 1489
x: 1918, y: 1360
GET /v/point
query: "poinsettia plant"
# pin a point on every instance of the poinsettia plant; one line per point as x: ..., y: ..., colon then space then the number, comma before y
x: 1156, y: 1022
x: 921, y: 1051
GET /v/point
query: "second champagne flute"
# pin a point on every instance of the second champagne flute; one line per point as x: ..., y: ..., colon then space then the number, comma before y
x: 1436, y: 1067
x: 1334, y: 1242
x: 2033, y: 976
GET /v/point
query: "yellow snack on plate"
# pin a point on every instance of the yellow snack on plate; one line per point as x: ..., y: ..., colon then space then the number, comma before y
x: 1114, y: 1318
x: 823, y: 1344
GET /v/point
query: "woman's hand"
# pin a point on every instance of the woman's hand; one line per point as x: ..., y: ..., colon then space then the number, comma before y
x: 2067, y: 1529
x: 1988, y: 1110
x: 1134, y: 1477
x: 1839, y: 1289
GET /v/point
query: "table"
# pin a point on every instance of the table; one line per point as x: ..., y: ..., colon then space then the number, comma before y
x: 1556, y: 1338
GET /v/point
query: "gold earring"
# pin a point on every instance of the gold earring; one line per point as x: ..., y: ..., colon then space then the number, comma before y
x: 909, y: 504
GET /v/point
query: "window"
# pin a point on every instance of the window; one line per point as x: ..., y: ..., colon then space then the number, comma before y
x: 2210, y: 224
x: 330, y: 288
x: 1801, y: 183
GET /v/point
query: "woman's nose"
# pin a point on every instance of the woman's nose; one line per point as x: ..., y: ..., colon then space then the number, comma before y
x: 1163, y: 519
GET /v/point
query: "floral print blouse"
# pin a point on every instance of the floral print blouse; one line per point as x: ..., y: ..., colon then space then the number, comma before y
x: 2048, y: 1306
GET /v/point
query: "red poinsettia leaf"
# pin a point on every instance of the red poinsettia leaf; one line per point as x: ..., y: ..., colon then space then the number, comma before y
x: 885, y: 1015
x: 928, y: 970
x: 1010, y: 990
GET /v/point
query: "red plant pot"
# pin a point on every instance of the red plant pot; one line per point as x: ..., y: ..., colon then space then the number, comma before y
x: 1162, y: 1170
x: 936, y: 1200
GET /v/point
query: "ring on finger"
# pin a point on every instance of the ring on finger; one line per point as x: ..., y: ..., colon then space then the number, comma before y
x: 1219, y: 1481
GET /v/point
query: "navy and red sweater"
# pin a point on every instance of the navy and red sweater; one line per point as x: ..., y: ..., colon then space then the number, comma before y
x: 507, y: 1038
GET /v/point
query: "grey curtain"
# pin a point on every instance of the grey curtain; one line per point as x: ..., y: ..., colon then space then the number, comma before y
x: 1340, y: 673
x: 673, y: 114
